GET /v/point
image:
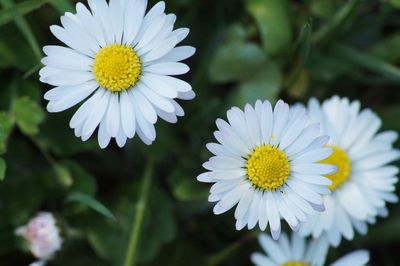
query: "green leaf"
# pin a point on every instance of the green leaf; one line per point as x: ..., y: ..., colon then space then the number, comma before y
x: 82, y: 180
x: 265, y: 84
x: 3, y: 167
x: 272, y: 18
x: 8, y: 14
x: 25, y: 30
x: 28, y: 115
x: 92, y: 203
x: 58, y: 138
x: 236, y: 61
x: 368, y: 62
x: 5, y: 128
x: 105, y: 240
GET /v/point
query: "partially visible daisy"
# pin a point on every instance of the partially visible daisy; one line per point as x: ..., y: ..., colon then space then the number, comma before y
x: 119, y: 62
x: 298, y: 252
x: 267, y: 162
x: 42, y: 236
x: 364, y: 181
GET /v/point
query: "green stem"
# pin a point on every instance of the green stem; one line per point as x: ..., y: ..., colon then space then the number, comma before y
x: 130, y: 257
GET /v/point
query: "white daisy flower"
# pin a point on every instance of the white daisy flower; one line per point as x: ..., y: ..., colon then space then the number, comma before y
x: 364, y: 181
x: 266, y: 162
x: 119, y: 62
x: 299, y: 252
x: 42, y: 235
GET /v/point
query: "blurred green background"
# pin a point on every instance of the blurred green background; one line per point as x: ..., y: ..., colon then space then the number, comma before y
x: 246, y: 50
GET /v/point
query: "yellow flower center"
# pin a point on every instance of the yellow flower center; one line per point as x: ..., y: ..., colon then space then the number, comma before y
x: 339, y: 158
x: 295, y: 263
x: 116, y: 67
x: 267, y: 167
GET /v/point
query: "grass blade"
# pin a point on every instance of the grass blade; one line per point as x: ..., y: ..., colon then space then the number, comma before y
x: 25, y: 30
x: 90, y: 202
x: 9, y: 14
x: 368, y: 62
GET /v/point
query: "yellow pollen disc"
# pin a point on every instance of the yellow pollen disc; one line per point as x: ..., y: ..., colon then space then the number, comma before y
x: 267, y: 167
x: 339, y: 158
x: 295, y: 263
x: 116, y: 67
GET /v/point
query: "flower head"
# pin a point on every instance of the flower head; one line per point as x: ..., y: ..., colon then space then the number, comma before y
x: 42, y: 235
x: 267, y: 162
x: 364, y: 181
x: 119, y: 61
x: 299, y: 252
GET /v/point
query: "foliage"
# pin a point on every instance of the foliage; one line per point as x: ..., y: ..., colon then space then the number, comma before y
x: 246, y: 50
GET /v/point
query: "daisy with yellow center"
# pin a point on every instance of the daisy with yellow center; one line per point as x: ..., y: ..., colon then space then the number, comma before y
x: 266, y: 162
x: 119, y: 61
x: 364, y: 181
x: 297, y: 251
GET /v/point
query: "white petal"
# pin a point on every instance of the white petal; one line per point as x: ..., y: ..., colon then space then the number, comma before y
x: 187, y: 95
x: 261, y: 260
x: 61, y: 34
x: 68, y: 78
x: 95, y: 116
x: 178, y: 54
x: 144, y: 105
x: 272, y: 248
x: 356, y: 258
x: 128, y: 119
x: 90, y: 24
x: 153, y: 13
x: 155, y: 83
x: 103, y: 136
x: 79, y: 117
x: 230, y: 199
x: 134, y: 13
x: 117, y: 19
x: 75, y: 95
x: 101, y: 13
x: 167, y: 68
x: 160, y: 50
x: 313, y: 168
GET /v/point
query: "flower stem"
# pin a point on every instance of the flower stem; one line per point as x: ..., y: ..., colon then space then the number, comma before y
x: 130, y: 257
